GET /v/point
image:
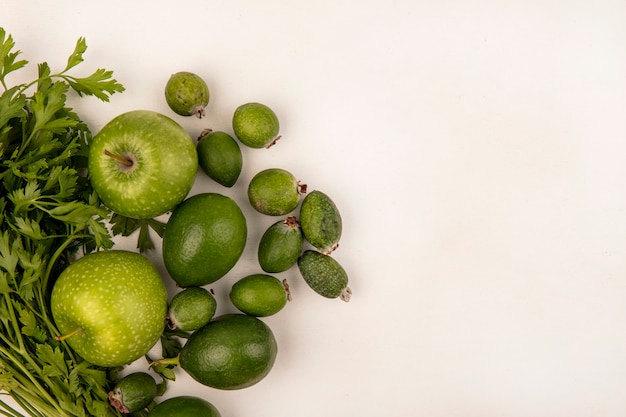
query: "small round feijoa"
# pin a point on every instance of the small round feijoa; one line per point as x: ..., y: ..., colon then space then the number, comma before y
x: 191, y: 309
x: 274, y: 191
x: 187, y: 94
x: 280, y: 246
x: 324, y: 275
x: 256, y: 125
x: 320, y: 221
x: 184, y: 406
x: 133, y: 393
x: 219, y: 156
x: 259, y: 295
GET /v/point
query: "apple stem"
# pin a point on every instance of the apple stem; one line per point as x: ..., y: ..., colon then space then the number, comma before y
x: 120, y: 159
x: 67, y: 336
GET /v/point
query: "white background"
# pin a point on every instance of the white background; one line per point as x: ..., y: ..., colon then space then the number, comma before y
x: 477, y: 152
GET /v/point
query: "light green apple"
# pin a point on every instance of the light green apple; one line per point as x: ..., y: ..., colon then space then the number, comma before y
x: 110, y: 306
x: 142, y: 164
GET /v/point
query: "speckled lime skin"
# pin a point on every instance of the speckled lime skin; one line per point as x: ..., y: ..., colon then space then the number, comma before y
x: 165, y: 168
x: 323, y: 273
x: 187, y: 94
x: 118, y: 302
x: 255, y: 125
x: 280, y: 246
x: 184, y: 406
x: 258, y: 295
x: 274, y: 192
x: 320, y: 221
x: 204, y: 238
x: 233, y: 351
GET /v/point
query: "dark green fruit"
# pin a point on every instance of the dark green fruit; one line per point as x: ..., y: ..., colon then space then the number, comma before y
x: 324, y: 275
x: 191, y: 309
x: 187, y: 94
x: 220, y: 157
x: 259, y: 295
x: 185, y: 406
x: 132, y: 393
x: 256, y: 125
x: 280, y: 246
x: 274, y: 192
x: 204, y: 238
x: 233, y: 351
x: 320, y: 221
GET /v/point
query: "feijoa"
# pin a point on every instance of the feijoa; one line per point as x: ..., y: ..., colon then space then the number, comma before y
x: 320, y: 221
x: 191, y: 309
x: 233, y: 351
x: 185, y: 406
x: 220, y: 157
x: 259, y: 295
x: 275, y: 191
x: 280, y: 246
x: 187, y: 94
x: 203, y: 239
x: 133, y: 393
x: 324, y: 275
x: 256, y: 125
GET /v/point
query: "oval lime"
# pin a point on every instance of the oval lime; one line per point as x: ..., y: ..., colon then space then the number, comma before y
x: 185, y: 406
x: 233, y: 351
x: 204, y: 238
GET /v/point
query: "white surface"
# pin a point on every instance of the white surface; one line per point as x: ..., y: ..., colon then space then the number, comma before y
x: 477, y: 153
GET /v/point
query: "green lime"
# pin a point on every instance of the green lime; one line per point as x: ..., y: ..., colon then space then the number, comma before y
x: 220, y: 157
x: 184, y: 406
x: 233, y: 351
x: 187, y: 94
x: 274, y: 192
x: 280, y: 246
x: 256, y: 125
x: 204, y: 238
x: 259, y: 295
x: 191, y: 309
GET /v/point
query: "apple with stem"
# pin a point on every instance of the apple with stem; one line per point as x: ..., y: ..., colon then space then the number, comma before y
x: 142, y: 164
x: 110, y: 306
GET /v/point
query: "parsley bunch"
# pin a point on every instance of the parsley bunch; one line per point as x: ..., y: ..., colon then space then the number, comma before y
x: 48, y: 212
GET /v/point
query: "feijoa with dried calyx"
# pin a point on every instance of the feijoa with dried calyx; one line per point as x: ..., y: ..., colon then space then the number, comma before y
x: 191, y: 309
x: 324, y: 275
x: 320, y: 221
x: 280, y: 246
x: 219, y: 156
x: 275, y: 191
x: 256, y: 125
x: 133, y: 393
x: 187, y: 94
x: 259, y: 295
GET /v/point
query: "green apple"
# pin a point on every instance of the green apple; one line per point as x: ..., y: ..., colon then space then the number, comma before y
x: 110, y: 306
x: 142, y: 164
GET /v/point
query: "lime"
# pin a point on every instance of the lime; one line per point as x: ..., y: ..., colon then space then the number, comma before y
x: 191, y: 309
x: 187, y: 94
x: 184, y: 406
x: 256, y: 125
x: 220, y: 157
x: 274, y: 192
x: 233, y: 351
x: 204, y: 238
x: 259, y: 295
x: 280, y: 246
